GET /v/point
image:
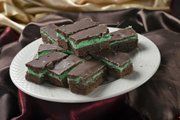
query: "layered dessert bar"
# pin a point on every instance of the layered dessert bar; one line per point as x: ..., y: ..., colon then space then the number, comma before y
x: 119, y: 64
x: 64, y: 31
x: 37, y: 68
x: 124, y: 40
x: 48, y: 34
x: 91, y: 40
x: 45, y: 49
x: 58, y: 75
x: 85, y: 77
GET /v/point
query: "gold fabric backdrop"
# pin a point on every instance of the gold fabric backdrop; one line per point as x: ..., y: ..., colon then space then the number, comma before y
x: 17, y: 13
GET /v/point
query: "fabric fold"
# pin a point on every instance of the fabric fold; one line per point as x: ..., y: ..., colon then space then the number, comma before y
x: 156, y: 99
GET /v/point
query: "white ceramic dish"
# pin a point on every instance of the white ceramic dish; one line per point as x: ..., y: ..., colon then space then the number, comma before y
x: 146, y: 60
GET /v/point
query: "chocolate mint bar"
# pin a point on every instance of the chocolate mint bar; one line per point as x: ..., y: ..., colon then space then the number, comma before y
x: 119, y: 64
x: 85, y: 77
x: 37, y: 68
x: 48, y: 34
x: 64, y: 31
x: 124, y: 40
x: 90, y: 40
x: 45, y: 49
x: 58, y: 75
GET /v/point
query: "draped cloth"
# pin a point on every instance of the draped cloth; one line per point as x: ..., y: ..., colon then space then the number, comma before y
x: 157, y: 99
x: 17, y: 13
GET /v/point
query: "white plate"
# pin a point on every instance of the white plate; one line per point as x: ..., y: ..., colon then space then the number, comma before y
x: 146, y: 60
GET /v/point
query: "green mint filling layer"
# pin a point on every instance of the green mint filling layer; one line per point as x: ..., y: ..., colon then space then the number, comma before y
x: 89, y: 42
x: 95, y: 77
x: 62, y: 37
x: 68, y: 52
x: 59, y: 77
x: 77, y: 79
x: 131, y: 38
x: 117, y: 68
x: 39, y: 75
x: 45, y: 52
x: 91, y: 79
x: 50, y: 38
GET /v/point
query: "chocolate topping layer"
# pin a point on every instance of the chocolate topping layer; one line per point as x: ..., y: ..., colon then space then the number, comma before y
x: 86, y: 69
x: 118, y: 58
x: 50, y: 30
x: 97, y: 31
x: 65, y: 64
x: 46, y: 60
x: 76, y: 26
x: 122, y: 33
x: 52, y: 47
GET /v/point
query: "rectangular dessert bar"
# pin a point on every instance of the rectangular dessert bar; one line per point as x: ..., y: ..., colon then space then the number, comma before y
x: 48, y: 34
x: 124, y: 40
x: 45, y: 49
x: 64, y: 31
x: 119, y: 64
x: 85, y: 77
x: 37, y: 68
x: 91, y: 40
x: 58, y: 75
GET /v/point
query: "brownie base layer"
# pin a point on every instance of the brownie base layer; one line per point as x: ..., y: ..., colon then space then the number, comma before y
x: 83, y: 52
x: 33, y: 78
x: 84, y: 90
x: 56, y: 82
x: 125, y: 72
x: 63, y: 44
x: 126, y: 46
